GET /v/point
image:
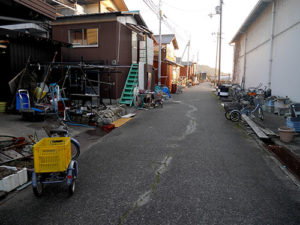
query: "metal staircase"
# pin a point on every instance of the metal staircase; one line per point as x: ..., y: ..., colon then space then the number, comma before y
x: 131, y: 82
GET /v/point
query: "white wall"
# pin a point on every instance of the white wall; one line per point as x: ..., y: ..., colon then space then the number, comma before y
x: 257, y: 67
x: 285, y: 79
x: 257, y: 48
x: 150, y: 51
x: 286, y: 64
x: 141, y: 75
x: 286, y: 55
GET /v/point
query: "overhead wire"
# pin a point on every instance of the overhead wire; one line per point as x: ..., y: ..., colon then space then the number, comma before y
x: 154, y: 8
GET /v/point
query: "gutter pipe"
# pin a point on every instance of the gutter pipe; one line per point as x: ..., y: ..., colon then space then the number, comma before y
x: 271, y: 44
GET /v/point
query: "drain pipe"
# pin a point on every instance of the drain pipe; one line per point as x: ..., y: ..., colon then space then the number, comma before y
x: 271, y: 44
x: 245, y: 53
x: 119, y: 43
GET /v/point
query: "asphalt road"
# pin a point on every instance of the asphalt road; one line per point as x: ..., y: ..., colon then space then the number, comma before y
x: 182, y: 164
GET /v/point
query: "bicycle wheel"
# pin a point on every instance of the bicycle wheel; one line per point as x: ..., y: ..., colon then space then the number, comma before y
x: 75, y: 148
x: 227, y: 114
x: 235, y: 116
x: 260, y: 114
x: 38, y: 190
x: 71, y: 188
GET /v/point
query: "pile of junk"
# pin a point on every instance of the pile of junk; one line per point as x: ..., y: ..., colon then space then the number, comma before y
x: 64, y: 91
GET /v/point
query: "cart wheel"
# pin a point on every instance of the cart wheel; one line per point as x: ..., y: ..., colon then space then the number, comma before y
x: 38, y: 191
x: 71, y: 188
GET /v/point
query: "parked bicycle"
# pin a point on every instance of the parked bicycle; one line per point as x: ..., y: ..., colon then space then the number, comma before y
x: 236, y: 114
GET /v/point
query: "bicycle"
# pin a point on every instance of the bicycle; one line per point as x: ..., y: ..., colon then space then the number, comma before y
x: 235, y: 115
x: 63, y: 131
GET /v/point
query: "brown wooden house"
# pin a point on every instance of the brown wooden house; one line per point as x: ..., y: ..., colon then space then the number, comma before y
x: 110, y: 39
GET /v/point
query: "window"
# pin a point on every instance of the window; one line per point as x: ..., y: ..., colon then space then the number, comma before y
x: 84, y: 37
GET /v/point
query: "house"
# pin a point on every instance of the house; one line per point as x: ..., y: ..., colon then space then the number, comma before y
x: 24, y: 32
x: 187, y: 66
x: 70, y: 7
x: 113, y: 39
x: 169, y: 67
x: 267, y: 49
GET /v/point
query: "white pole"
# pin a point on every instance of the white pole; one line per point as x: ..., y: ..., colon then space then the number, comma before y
x: 159, y: 53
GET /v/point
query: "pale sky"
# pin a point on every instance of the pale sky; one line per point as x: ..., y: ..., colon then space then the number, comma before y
x: 190, y: 17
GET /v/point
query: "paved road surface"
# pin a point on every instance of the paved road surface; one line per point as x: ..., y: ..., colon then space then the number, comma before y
x: 183, y: 164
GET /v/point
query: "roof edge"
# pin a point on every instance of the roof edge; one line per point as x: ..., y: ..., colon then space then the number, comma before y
x: 256, y: 12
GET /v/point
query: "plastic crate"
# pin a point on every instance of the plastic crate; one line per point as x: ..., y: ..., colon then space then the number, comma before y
x: 293, y: 123
x: 52, y: 154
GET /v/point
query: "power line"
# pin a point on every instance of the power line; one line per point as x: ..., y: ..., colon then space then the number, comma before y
x: 154, y: 8
x: 186, y: 10
x: 151, y: 8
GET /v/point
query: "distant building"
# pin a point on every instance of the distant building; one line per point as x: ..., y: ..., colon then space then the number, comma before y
x: 169, y: 67
x: 267, y: 48
x: 187, y: 66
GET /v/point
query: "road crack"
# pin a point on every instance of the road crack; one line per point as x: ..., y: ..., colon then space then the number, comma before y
x: 146, y: 197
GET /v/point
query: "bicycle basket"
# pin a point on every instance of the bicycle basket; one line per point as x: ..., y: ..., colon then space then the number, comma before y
x: 258, y: 100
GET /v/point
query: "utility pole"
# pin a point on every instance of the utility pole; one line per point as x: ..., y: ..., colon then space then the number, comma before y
x: 216, y: 66
x: 159, y: 53
x: 220, y: 40
x: 188, y: 63
x: 219, y: 11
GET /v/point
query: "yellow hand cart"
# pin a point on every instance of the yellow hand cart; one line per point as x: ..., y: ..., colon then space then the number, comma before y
x: 53, y: 164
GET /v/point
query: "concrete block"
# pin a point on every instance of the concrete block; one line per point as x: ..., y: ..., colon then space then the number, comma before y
x: 23, y: 178
x: 9, y: 183
x: 13, y: 181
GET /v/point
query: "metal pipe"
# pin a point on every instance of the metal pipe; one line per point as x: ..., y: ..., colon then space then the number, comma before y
x: 119, y: 40
x: 58, y: 2
x: 271, y: 45
x: 245, y: 53
x: 19, y: 20
x: 159, y: 51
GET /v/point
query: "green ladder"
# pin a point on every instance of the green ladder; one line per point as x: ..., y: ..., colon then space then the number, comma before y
x: 131, y: 82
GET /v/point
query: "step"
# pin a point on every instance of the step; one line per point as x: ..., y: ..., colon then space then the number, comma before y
x: 125, y: 102
x: 127, y: 92
x: 131, y: 83
x: 127, y: 98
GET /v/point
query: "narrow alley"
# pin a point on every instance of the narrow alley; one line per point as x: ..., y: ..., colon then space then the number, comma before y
x: 181, y: 164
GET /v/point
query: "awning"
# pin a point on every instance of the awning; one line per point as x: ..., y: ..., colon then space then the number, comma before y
x: 139, y: 29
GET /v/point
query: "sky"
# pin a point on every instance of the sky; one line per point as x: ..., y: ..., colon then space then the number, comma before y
x: 189, y: 19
